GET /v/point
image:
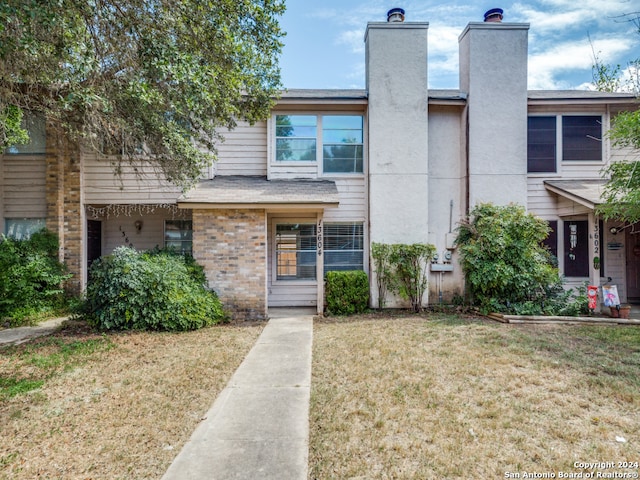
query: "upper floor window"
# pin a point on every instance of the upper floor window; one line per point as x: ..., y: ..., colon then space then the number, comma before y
x: 298, y: 138
x: 342, y: 144
x: 541, y: 144
x: 35, y: 125
x: 580, y: 139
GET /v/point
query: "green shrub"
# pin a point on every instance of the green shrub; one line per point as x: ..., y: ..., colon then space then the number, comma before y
x: 402, y: 268
x: 380, y: 252
x: 506, y: 267
x: 31, y: 277
x: 149, y: 291
x: 409, y: 264
x: 347, y: 292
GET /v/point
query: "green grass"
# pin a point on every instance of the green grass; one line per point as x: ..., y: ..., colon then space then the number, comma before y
x: 42, y: 359
x: 10, y: 387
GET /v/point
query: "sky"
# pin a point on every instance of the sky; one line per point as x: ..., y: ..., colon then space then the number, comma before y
x: 324, y: 45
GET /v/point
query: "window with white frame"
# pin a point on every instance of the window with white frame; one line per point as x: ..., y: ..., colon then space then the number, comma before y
x: 343, y: 246
x: 22, y: 228
x: 296, y: 138
x: 337, y: 140
x: 178, y: 235
x: 567, y: 138
x: 296, y: 251
x: 35, y: 125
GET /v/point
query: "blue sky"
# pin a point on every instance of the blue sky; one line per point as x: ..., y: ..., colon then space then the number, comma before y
x: 324, y: 46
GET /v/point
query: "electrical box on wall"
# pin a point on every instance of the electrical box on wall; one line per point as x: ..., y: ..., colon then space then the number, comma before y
x: 450, y: 241
x: 441, y: 267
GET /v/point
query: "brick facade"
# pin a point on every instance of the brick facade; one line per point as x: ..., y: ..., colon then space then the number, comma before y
x: 65, y: 214
x: 232, y: 247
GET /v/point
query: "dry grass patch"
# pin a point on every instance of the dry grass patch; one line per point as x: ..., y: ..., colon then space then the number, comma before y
x: 110, y: 406
x: 445, y: 397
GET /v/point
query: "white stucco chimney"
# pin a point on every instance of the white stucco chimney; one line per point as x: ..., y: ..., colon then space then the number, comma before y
x: 396, y: 82
x: 493, y: 74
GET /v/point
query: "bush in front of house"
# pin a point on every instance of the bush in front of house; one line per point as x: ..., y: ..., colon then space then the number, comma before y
x: 31, y: 278
x: 506, y: 266
x: 347, y: 292
x: 159, y: 290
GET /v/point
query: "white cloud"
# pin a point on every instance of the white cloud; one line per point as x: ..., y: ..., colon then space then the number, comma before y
x: 354, y: 39
x: 546, y: 65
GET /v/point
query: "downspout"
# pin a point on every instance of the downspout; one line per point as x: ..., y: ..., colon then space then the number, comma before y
x: 467, y: 159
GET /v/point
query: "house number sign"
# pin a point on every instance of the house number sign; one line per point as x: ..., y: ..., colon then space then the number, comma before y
x: 319, y: 238
x: 596, y: 240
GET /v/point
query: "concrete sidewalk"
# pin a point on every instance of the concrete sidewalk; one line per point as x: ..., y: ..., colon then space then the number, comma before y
x: 23, y: 334
x: 258, y: 427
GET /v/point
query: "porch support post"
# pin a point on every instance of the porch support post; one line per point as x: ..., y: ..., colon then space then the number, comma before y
x: 320, y: 262
x: 595, y: 250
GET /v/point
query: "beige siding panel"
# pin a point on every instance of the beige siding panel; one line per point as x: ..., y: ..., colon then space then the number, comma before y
x: 567, y: 208
x: 121, y: 231
x: 622, y: 154
x: 291, y: 171
x: 292, y: 295
x: 24, y: 181
x: 581, y: 170
x: 615, y: 262
x: 540, y: 201
x: 146, y: 185
x: 353, y: 201
x: 244, y: 151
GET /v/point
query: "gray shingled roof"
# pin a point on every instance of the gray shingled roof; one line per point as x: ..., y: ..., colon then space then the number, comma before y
x: 325, y: 94
x: 247, y: 190
x: 578, y: 95
x: 450, y: 94
x: 584, y: 192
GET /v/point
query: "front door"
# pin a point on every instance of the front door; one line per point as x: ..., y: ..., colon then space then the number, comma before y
x: 94, y: 242
x: 292, y: 262
x: 633, y: 263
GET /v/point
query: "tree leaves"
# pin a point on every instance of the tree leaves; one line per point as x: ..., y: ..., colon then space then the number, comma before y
x: 143, y: 76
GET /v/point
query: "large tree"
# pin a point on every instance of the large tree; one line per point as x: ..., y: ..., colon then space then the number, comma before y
x: 150, y: 77
x: 621, y: 195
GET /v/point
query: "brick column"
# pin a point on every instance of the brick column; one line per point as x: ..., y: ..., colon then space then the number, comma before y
x: 232, y: 247
x: 65, y: 212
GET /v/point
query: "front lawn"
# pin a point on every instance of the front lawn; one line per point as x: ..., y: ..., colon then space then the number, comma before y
x: 450, y: 397
x: 80, y: 405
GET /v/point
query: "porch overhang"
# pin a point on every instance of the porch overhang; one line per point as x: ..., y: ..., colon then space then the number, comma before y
x: 585, y: 192
x: 252, y: 192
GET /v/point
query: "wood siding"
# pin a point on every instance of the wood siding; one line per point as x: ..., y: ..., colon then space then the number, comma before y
x: 353, y: 201
x: 121, y: 231
x: 244, y: 151
x: 23, y: 186
x: 133, y: 185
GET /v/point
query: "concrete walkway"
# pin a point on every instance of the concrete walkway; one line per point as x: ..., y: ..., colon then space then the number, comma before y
x: 258, y: 427
x: 24, y: 334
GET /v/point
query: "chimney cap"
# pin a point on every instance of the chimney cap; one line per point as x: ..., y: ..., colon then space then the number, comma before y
x: 395, y: 15
x: 493, y: 15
